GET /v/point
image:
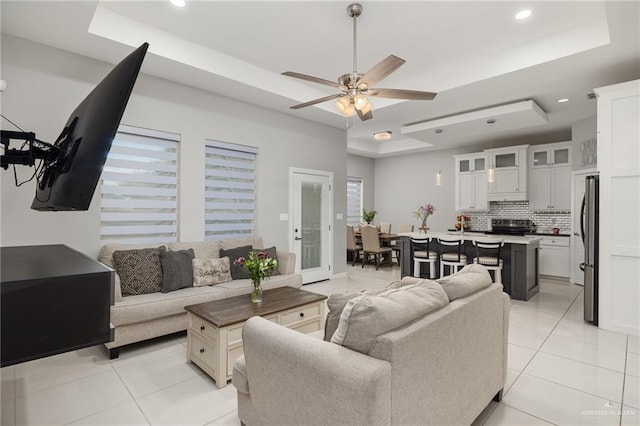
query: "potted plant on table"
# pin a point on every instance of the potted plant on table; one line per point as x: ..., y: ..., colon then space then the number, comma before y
x: 368, y: 216
x: 422, y: 214
x: 259, y: 265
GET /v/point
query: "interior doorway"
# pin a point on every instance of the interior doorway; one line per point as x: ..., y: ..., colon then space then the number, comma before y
x: 310, y: 234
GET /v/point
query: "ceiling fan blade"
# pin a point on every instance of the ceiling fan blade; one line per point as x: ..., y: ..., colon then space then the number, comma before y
x: 317, y: 101
x: 311, y: 78
x: 381, y: 70
x: 403, y: 94
x: 364, y: 117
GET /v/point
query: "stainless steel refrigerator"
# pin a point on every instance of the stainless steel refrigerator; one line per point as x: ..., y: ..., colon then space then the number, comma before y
x: 589, y: 226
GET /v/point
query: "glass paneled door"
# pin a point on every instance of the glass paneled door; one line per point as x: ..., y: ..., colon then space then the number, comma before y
x: 311, y: 223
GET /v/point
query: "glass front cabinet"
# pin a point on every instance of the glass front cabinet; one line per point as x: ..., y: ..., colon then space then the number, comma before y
x: 510, y: 173
x: 550, y: 177
x: 471, y: 182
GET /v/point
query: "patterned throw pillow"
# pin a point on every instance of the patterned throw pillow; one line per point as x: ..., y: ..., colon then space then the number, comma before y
x: 211, y: 271
x: 140, y: 270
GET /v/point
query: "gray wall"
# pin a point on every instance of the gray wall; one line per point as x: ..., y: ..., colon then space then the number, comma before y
x: 45, y: 85
x: 405, y: 182
x: 584, y: 145
x: 363, y: 168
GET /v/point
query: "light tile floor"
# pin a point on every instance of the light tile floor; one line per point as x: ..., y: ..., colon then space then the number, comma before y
x: 561, y: 371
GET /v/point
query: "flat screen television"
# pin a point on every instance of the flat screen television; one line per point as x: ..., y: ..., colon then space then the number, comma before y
x: 70, y: 175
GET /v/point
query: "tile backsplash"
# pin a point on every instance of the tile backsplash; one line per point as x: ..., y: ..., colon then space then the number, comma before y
x: 520, y: 210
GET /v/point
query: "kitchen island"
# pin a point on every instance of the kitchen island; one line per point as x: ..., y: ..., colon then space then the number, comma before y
x: 520, y: 256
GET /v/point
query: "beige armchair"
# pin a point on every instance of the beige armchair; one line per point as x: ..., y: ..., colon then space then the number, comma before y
x: 352, y: 246
x: 371, y: 246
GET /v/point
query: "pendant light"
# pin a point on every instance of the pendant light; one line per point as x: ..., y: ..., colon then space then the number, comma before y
x: 491, y: 171
x: 438, y: 178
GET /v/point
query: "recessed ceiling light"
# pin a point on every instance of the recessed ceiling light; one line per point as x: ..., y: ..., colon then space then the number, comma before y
x: 563, y: 100
x: 382, y: 136
x: 178, y: 3
x: 523, y: 14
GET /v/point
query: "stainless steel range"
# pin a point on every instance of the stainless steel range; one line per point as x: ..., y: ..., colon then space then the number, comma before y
x: 510, y: 226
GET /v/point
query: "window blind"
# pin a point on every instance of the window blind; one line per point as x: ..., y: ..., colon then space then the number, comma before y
x: 230, y: 188
x: 354, y: 201
x: 139, y: 196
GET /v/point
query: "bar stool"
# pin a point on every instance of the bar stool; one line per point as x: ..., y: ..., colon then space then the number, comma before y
x: 422, y: 254
x: 451, y: 255
x: 488, y: 255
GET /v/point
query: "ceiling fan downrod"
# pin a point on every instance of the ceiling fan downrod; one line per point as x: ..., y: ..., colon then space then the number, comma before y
x: 354, y: 10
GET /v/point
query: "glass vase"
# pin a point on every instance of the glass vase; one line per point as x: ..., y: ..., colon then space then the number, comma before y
x: 424, y: 228
x: 256, y: 291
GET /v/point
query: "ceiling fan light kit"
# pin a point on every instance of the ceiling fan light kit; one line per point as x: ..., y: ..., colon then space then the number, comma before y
x: 355, y: 87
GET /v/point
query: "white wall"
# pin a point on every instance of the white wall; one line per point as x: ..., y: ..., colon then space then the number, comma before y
x: 405, y: 182
x: 364, y: 168
x: 45, y: 85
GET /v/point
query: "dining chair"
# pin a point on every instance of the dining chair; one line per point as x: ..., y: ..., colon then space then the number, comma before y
x: 352, y: 246
x: 371, y: 246
x: 488, y: 255
x: 405, y: 227
x: 385, y: 228
x: 451, y: 255
x: 422, y: 253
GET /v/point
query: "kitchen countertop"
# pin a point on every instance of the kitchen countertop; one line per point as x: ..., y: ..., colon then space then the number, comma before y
x: 471, y: 236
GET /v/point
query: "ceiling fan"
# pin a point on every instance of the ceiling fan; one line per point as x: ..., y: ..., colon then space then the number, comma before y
x: 355, y: 87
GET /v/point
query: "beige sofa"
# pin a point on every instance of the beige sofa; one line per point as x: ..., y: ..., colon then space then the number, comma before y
x: 141, y: 317
x: 439, y: 369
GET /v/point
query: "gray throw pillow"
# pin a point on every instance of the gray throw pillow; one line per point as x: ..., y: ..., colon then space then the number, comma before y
x: 366, y: 317
x: 237, y: 272
x: 468, y: 280
x: 273, y: 253
x: 140, y: 270
x: 177, y: 271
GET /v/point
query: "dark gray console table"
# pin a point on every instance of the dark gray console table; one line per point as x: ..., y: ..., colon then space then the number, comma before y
x: 53, y: 299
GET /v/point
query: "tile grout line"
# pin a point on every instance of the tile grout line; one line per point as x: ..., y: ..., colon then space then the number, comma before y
x: 135, y: 400
x: 624, y: 379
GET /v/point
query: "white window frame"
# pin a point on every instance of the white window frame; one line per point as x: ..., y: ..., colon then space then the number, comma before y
x: 230, y: 190
x: 139, y: 188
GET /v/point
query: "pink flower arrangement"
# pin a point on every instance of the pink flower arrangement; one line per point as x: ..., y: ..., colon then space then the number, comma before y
x: 258, y: 264
x: 424, y: 212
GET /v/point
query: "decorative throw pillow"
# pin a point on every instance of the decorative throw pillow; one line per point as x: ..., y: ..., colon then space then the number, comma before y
x: 237, y: 272
x: 468, y: 280
x: 366, y: 317
x: 273, y: 253
x: 140, y: 270
x: 336, y: 303
x: 177, y: 272
x: 210, y: 271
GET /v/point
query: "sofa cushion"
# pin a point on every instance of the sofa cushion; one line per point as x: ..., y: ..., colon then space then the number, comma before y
x: 470, y: 279
x: 366, y: 317
x: 202, y: 250
x: 107, y: 250
x: 140, y: 270
x: 255, y: 242
x: 336, y: 303
x: 211, y: 271
x: 237, y: 272
x: 148, y: 307
x: 177, y: 271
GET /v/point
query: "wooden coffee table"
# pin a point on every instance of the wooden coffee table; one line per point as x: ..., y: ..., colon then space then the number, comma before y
x: 214, y: 337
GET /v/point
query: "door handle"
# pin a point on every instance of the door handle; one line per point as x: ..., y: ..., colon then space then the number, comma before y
x: 297, y: 238
x: 581, y: 266
x: 576, y: 234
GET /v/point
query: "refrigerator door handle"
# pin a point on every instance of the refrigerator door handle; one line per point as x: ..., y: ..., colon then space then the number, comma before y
x: 582, y: 213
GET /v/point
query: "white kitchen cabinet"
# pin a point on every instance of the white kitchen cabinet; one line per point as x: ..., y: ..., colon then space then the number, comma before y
x: 554, y: 256
x: 471, y: 182
x: 550, y: 177
x: 510, y: 173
